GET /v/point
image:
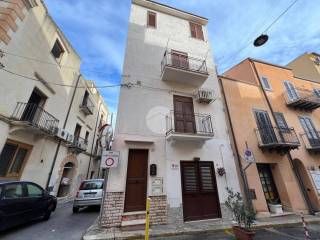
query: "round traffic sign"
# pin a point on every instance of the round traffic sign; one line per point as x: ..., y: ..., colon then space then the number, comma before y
x: 109, y: 162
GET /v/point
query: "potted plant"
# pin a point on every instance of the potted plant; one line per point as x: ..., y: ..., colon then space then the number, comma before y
x: 243, y: 214
x: 275, y: 207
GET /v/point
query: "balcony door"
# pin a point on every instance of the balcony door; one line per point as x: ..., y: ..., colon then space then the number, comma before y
x: 266, y: 131
x: 32, y: 112
x: 310, y: 130
x: 184, y: 120
x: 179, y: 59
x: 291, y: 91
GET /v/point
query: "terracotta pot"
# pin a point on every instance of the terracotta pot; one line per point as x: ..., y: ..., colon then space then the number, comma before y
x: 242, y: 234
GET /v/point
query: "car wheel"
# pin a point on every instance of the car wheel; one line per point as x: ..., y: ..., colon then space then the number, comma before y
x: 47, y: 214
x: 75, y: 209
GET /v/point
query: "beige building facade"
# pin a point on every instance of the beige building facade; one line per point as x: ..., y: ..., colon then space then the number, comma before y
x: 49, y: 114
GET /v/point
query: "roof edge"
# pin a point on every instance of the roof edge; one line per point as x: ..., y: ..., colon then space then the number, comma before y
x: 171, y: 11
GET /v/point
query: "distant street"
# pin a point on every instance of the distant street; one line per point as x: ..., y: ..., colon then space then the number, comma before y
x: 282, y: 233
x: 63, y: 224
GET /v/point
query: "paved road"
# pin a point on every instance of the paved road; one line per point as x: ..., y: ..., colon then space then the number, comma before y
x: 63, y: 224
x: 283, y: 233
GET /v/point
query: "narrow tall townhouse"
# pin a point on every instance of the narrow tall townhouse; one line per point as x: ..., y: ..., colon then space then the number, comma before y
x: 49, y: 114
x: 280, y: 112
x: 171, y: 127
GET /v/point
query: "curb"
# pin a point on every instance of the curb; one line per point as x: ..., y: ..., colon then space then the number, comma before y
x: 207, y: 231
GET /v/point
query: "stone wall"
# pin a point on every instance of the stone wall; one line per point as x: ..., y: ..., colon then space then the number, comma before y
x: 112, y: 209
x: 158, y: 210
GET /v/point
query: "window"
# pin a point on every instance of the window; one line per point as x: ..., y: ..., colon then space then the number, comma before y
x: 13, y: 191
x: 86, y: 136
x: 85, y: 99
x: 265, y: 84
x: 152, y: 19
x: 281, y: 121
x: 267, y: 182
x: 91, y: 185
x: 265, y: 128
x: 196, y: 31
x: 57, y: 51
x: 13, y: 158
x: 77, y: 131
x: 310, y: 130
x: 34, y: 191
x: 317, y: 92
x: 291, y: 91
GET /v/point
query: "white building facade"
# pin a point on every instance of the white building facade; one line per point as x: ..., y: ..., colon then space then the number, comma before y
x: 171, y: 130
x: 49, y: 114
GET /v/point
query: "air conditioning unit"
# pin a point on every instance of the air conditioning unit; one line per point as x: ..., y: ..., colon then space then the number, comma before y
x: 61, y: 133
x: 70, y: 138
x: 205, y: 96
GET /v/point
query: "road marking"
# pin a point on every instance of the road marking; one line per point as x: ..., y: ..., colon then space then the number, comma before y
x: 228, y: 232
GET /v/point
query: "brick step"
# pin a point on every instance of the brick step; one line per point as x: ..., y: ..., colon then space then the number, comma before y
x: 132, y: 225
x: 128, y: 216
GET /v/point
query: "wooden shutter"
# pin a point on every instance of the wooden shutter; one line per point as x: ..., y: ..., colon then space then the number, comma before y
x: 152, y: 19
x: 199, y: 32
x: 193, y: 30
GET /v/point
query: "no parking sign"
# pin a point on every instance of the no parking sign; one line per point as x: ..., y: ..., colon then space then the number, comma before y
x: 109, y: 159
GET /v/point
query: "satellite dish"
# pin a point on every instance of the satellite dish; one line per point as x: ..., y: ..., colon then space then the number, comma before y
x: 106, y: 136
x: 261, y: 40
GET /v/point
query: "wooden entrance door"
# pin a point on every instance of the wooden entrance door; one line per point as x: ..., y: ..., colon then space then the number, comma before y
x: 184, y: 120
x: 136, y: 188
x: 268, y: 185
x: 199, y: 191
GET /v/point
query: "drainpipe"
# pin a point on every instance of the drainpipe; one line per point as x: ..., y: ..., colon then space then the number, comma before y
x: 295, y: 170
x: 94, y: 137
x: 242, y: 172
x: 60, y: 140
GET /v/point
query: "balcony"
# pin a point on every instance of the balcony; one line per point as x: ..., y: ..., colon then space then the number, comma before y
x: 195, y: 127
x: 78, y: 144
x: 179, y: 67
x: 34, y: 117
x: 280, y: 139
x: 312, y: 141
x: 87, y: 106
x: 302, y: 99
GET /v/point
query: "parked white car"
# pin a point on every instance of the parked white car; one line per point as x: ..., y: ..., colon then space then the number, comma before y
x: 89, y: 194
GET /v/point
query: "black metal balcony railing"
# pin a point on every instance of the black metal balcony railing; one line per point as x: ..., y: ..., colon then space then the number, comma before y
x: 195, y: 124
x: 302, y: 99
x: 184, y: 62
x: 35, y: 116
x: 274, y: 137
x: 311, y: 140
x: 79, y: 143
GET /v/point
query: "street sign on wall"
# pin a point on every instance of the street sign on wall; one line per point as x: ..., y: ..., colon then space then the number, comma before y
x: 248, y: 155
x: 109, y: 159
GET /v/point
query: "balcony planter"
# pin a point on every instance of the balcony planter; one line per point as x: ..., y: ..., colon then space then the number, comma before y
x: 275, y: 208
x: 244, y: 215
x: 243, y: 234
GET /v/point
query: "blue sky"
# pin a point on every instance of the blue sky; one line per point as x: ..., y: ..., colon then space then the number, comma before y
x: 97, y: 29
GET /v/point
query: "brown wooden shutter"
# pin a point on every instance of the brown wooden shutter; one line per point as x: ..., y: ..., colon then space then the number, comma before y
x: 199, y: 32
x: 151, y: 19
x: 193, y: 30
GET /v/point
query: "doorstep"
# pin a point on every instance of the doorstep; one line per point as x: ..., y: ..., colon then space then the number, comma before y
x: 189, y: 228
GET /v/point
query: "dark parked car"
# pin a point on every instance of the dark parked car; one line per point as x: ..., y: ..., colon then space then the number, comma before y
x: 22, y: 201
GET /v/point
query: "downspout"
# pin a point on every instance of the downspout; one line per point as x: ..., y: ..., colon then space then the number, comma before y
x: 94, y: 138
x: 297, y: 173
x: 60, y: 140
x: 242, y: 173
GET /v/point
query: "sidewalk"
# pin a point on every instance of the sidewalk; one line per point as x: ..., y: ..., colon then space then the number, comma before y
x: 199, y: 227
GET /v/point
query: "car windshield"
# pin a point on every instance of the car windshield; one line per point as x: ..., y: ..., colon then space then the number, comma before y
x: 89, y: 185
